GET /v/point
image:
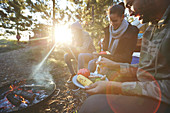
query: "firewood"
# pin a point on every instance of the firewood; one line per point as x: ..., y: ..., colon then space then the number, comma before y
x: 27, y: 95
x: 13, y: 100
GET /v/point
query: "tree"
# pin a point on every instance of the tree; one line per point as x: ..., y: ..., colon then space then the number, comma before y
x: 14, y: 18
x: 41, y: 30
x: 18, y: 14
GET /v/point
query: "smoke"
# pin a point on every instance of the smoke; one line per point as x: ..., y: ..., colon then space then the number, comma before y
x: 41, y: 74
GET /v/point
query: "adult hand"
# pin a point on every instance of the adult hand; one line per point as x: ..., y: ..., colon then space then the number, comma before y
x: 104, y: 70
x: 108, y: 63
x: 104, y: 87
x: 97, y: 88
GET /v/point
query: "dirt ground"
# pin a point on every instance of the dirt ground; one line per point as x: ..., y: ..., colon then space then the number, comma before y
x: 19, y: 64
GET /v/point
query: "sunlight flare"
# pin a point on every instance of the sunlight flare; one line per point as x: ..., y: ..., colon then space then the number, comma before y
x: 62, y: 34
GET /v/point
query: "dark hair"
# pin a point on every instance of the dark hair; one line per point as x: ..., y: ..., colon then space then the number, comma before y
x: 117, y: 9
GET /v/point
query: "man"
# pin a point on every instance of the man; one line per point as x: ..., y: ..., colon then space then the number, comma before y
x: 151, y: 93
x: 81, y: 43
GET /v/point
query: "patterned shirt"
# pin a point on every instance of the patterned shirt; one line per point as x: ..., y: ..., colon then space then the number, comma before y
x: 153, y: 70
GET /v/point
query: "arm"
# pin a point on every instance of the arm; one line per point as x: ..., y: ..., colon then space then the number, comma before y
x: 125, y: 69
x: 104, y: 87
x: 150, y: 88
x: 158, y: 89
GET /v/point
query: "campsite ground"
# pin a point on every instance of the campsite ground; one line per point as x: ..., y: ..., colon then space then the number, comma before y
x: 19, y: 63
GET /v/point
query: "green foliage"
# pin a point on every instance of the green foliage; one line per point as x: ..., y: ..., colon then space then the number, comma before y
x: 14, y: 17
x: 10, y: 32
x: 91, y: 13
x: 42, y: 29
x: 18, y: 14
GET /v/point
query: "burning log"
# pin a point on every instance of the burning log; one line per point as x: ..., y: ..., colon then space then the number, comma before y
x: 21, y: 96
x: 1, y: 108
x: 13, y: 100
x: 27, y: 95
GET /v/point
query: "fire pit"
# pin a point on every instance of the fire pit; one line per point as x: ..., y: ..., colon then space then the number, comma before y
x: 25, y: 95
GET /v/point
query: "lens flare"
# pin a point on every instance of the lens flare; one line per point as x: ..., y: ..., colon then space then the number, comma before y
x: 153, y: 107
x: 62, y: 34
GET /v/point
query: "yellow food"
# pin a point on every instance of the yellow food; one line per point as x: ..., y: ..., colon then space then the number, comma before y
x: 83, y: 80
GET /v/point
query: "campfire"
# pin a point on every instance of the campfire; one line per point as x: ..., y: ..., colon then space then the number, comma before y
x: 21, y: 95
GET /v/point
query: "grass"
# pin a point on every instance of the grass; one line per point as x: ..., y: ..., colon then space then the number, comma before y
x: 9, y: 45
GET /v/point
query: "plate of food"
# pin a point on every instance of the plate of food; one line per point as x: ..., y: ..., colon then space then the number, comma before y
x: 82, y: 81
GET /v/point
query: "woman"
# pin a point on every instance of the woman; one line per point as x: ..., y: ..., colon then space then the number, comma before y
x: 120, y: 37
